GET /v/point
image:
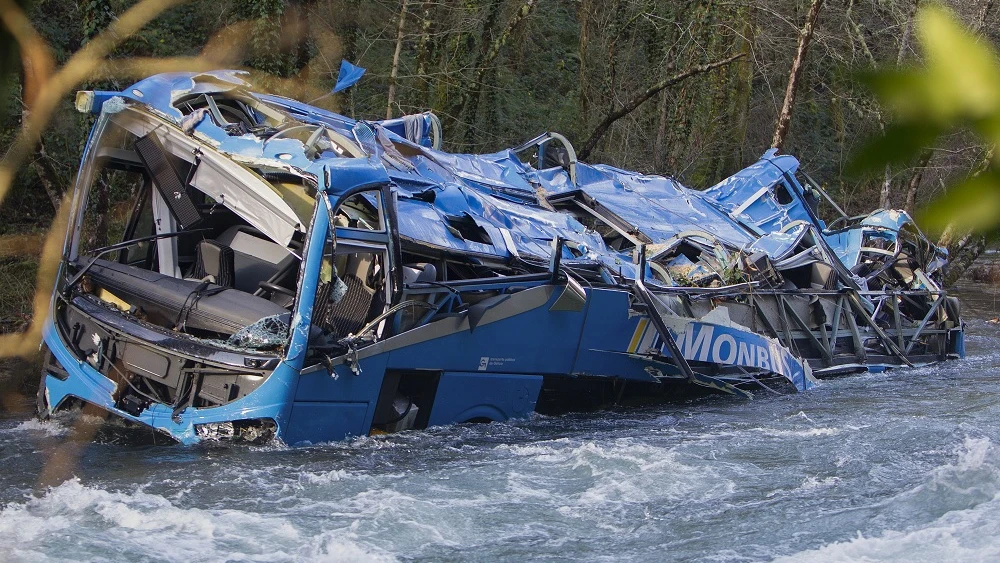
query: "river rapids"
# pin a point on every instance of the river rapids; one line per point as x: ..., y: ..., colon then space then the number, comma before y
x: 895, y: 466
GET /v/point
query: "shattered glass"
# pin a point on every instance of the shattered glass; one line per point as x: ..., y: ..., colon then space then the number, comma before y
x: 114, y: 105
x: 268, y: 333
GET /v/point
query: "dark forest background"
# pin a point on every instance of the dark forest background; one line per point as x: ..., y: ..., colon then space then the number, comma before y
x: 688, y: 88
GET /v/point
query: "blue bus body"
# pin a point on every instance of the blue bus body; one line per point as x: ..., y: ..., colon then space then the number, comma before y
x: 284, y: 271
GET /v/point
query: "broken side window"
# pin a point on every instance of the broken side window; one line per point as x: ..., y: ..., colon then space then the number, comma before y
x: 114, y: 213
x: 782, y: 194
x: 361, y: 211
x: 140, y: 225
x: 353, y: 287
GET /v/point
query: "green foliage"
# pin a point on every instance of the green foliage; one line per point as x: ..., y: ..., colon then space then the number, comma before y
x: 10, y: 65
x: 95, y: 16
x: 16, y: 292
x: 957, y: 87
x: 268, y: 51
x: 973, y: 203
x: 66, y: 25
x: 563, y: 68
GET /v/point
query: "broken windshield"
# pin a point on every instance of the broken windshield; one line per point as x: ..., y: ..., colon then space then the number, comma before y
x: 179, y: 236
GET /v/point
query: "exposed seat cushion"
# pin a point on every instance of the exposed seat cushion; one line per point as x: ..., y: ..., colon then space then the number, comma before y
x: 214, y: 261
x: 256, y: 258
x: 207, y: 306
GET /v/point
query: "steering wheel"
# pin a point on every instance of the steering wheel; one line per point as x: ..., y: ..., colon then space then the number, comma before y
x: 275, y: 288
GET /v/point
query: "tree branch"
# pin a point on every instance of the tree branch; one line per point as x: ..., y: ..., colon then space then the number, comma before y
x: 631, y: 105
x: 395, y: 61
x: 805, y: 36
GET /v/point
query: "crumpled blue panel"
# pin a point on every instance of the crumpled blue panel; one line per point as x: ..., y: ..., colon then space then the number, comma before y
x: 889, y: 218
x: 349, y: 173
x: 556, y: 180
x: 778, y: 245
x: 659, y: 207
x: 160, y: 91
x: 531, y: 229
x: 423, y: 222
x: 398, y: 126
x: 310, y: 114
x: 484, y: 171
x: 758, y: 182
x: 847, y: 245
x: 493, y: 189
x: 501, y: 194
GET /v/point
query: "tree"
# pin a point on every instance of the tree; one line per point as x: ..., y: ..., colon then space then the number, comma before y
x: 805, y: 37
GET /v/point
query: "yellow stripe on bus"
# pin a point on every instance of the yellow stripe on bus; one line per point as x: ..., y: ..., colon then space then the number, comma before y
x: 640, y: 329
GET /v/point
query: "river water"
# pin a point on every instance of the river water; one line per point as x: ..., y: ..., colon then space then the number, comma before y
x: 901, y: 466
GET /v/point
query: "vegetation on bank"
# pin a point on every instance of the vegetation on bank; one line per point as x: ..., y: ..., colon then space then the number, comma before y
x: 696, y: 89
x: 500, y: 71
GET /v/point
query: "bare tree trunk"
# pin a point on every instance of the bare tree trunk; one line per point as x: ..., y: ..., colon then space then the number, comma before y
x: 984, y: 11
x: 805, y: 37
x: 664, y: 119
x: 883, y: 196
x: 855, y: 33
x: 659, y: 150
x: 680, y: 126
x: 32, y: 81
x: 102, y: 205
x: 742, y: 96
x: 918, y: 174
x: 583, y: 20
x: 395, y: 60
x: 470, y: 103
x: 885, y: 192
x: 631, y: 105
x: 47, y: 176
x: 925, y: 157
x: 964, y: 246
x: 515, y: 21
x: 904, y: 40
x: 424, y: 53
x: 962, y: 255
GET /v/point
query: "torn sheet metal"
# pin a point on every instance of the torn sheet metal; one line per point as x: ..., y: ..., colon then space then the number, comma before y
x: 315, y: 277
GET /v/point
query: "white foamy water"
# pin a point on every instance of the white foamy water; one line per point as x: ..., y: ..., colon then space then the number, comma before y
x: 901, y: 466
x: 48, y: 427
x: 77, y: 522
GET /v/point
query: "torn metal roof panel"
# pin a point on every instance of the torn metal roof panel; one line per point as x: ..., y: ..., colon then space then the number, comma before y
x: 659, y: 207
x: 763, y: 195
x: 498, y: 192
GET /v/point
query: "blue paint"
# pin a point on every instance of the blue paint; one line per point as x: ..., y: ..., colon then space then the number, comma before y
x: 462, y: 397
x: 495, y: 369
x: 315, y: 422
x: 348, y: 76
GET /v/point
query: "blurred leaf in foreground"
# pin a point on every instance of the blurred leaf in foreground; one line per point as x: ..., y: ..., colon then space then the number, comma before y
x: 973, y: 204
x: 958, y: 87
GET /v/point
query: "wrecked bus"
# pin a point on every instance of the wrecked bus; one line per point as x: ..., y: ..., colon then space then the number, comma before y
x: 242, y: 265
